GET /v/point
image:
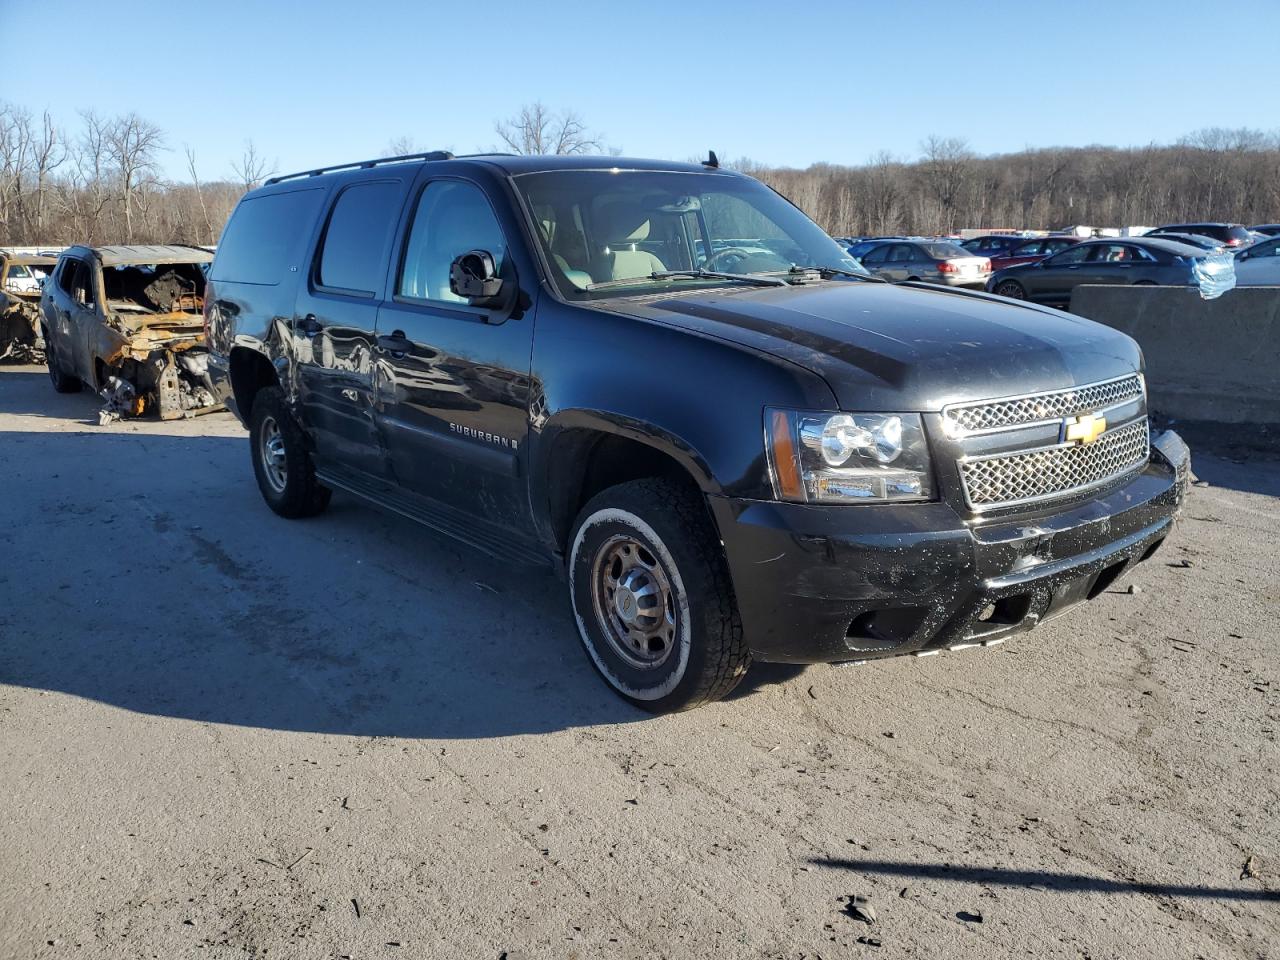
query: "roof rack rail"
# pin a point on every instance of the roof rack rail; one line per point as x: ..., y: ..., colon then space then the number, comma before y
x: 362, y: 165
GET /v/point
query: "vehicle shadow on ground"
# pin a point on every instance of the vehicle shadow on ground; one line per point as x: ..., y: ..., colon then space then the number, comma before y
x: 144, y: 571
x: 1048, y: 880
x: 25, y: 390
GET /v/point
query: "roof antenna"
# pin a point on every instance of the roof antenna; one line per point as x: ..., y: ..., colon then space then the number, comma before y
x: 712, y: 160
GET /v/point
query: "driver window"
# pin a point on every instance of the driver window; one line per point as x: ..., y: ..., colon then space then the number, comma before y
x: 77, y: 282
x: 878, y: 255
x: 452, y: 218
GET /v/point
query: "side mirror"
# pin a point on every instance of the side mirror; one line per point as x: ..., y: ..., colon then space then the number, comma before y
x: 474, y: 277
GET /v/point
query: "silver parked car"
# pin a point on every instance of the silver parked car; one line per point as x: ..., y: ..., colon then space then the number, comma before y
x: 1259, y: 265
x: 933, y: 261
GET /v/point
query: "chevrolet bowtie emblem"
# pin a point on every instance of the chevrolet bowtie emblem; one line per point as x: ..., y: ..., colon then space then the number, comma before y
x: 1084, y: 429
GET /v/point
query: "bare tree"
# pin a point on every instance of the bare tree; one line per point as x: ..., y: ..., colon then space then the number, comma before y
x: 537, y: 130
x: 402, y: 146
x: 195, y: 182
x: 93, y: 171
x: 945, y: 173
x: 251, y: 169
x: 15, y: 150
x: 132, y: 146
x: 49, y: 152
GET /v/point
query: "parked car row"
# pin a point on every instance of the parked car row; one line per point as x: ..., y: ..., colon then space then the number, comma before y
x: 1046, y: 268
x: 1132, y: 260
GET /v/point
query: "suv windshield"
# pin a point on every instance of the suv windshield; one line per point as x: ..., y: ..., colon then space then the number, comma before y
x: 599, y: 226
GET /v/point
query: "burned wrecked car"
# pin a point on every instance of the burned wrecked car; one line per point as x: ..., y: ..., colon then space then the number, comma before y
x: 21, y: 278
x: 129, y: 322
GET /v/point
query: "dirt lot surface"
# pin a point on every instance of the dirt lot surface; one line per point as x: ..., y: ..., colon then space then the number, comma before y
x: 225, y: 734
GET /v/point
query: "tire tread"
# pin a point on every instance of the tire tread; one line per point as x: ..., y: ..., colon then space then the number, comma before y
x: 726, y: 655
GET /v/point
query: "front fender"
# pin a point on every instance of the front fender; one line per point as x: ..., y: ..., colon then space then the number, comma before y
x: 698, y: 399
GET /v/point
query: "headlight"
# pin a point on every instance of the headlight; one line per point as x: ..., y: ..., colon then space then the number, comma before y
x: 847, y: 457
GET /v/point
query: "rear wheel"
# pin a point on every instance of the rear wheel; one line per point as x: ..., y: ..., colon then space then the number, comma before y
x: 651, y: 594
x: 281, y: 460
x: 62, y: 382
x: 1011, y: 289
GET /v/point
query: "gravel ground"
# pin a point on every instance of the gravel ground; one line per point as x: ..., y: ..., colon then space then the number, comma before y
x: 225, y: 734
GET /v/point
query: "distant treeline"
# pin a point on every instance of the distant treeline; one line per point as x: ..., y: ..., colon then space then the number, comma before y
x: 1212, y: 174
x: 101, y: 183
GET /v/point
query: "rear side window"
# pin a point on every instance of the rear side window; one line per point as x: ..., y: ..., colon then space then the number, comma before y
x: 357, y: 240
x: 265, y: 236
x: 1077, y: 254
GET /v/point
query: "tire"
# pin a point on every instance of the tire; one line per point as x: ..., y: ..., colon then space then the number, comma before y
x: 694, y: 652
x: 281, y: 461
x: 1011, y: 289
x: 62, y: 383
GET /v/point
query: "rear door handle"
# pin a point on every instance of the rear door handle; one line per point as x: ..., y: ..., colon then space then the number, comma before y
x: 310, y: 325
x: 395, y: 342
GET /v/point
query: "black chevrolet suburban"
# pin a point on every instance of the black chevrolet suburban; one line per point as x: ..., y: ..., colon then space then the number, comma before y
x: 666, y: 382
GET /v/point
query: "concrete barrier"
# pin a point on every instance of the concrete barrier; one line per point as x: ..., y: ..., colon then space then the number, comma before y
x: 1215, y: 360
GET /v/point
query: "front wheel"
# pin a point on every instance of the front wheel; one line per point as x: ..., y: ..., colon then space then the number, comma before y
x: 1011, y: 289
x: 281, y: 460
x: 651, y: 594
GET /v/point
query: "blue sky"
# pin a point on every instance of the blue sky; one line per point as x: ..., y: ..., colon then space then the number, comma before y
x: 781, y: 83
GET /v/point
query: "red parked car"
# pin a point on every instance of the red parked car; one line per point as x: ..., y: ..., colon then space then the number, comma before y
x: 1030, y: 251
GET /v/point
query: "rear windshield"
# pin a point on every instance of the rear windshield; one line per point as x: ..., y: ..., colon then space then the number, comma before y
x: 265, y: 236
x: 945, y: 251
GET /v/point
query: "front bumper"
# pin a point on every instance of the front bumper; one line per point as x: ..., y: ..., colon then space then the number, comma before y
x: 832, y: 583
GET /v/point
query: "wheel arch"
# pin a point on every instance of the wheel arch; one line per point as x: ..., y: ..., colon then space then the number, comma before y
x: 585, y: 452
x: 249, y: 371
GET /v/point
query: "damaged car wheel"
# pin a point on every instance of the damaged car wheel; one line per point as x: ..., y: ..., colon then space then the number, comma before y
x: 61, y: 381
x: 651, y: 594
x: 281, y: 461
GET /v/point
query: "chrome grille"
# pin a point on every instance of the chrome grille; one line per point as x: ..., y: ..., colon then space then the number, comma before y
x: 1006, y: 479
x: 1001, y: 414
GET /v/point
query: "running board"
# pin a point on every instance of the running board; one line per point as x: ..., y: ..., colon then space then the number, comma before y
x: 454, y: 523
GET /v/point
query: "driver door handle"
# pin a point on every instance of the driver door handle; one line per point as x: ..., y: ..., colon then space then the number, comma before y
x: 395, y: 342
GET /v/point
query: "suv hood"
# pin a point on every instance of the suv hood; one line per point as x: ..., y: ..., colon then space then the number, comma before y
x: 892, y: 347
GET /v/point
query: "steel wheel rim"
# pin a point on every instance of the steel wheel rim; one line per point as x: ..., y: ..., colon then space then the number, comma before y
x: 271, y: 447
x: 634, y: 602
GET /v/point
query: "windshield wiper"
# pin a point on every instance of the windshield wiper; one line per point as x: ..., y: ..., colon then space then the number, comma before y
x: 826, y: 272
x: 753, y: 279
